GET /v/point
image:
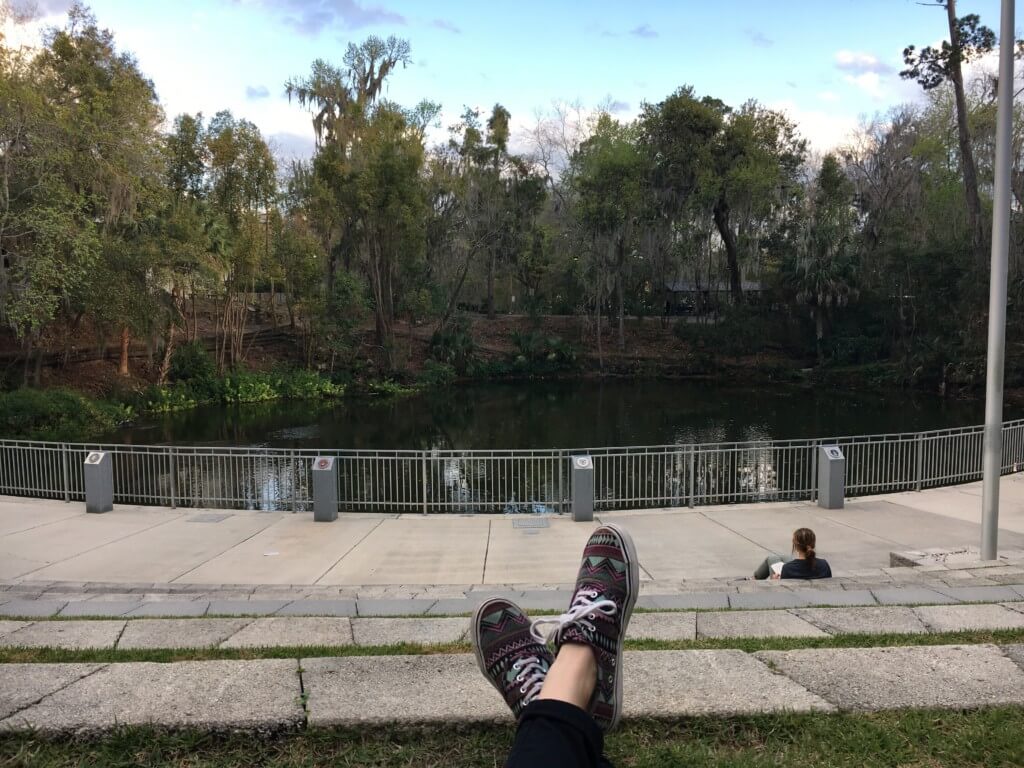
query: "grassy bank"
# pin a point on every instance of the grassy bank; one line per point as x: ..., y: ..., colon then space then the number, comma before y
x: 936, y: 739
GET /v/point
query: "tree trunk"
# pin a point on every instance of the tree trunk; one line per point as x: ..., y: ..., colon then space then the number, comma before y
x: 28, y: 361
x: 126, y: 339
x: 721, y: 214
x: 37, y: 376
x: 964, y: 135
x: 619, y: 295
x: 491, y: 264
x: 165, y: 359
x: 819, y: 334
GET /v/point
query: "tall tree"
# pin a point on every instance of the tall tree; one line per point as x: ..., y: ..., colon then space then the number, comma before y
x: 823, y: 274
x: 610, y: 178
x: 931, y: 67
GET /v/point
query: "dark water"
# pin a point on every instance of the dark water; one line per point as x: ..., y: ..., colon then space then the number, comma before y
x: 559, y: 414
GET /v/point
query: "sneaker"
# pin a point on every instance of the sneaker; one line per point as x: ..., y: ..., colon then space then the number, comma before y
x: 508, y: 654
x: 606, y: 591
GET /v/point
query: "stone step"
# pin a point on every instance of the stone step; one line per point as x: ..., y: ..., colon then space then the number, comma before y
x: 685, y: 626
x: 18, y: 603
x: 281, y: 694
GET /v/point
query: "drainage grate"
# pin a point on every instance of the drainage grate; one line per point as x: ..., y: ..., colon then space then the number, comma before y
x: 207, y: 518
x: 535, y: 522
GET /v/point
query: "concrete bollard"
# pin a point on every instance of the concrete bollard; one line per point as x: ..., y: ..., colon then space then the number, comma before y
x: 325, y: 489
x: 581, y: 470
x: 98, y: 472
x: 831, y: 477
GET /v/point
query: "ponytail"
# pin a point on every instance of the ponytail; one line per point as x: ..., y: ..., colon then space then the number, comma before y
x: 804, y: 541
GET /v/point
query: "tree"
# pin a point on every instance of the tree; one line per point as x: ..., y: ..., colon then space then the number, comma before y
x: 755, y: 162
x: 931, y: 67
x: 82, y: 126
x: 610, y: 181
x: 823, y: 273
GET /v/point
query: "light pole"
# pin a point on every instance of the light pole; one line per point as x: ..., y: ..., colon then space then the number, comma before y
x: 993, y: 446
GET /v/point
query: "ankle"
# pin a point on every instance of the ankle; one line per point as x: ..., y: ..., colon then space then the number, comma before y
x: 573, y: 676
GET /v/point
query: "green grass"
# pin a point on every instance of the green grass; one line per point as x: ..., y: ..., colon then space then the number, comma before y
x: 751, y: 644
x: 909, y: 739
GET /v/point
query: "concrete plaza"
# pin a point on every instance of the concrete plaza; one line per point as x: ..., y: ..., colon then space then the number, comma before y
x: 57, y: 542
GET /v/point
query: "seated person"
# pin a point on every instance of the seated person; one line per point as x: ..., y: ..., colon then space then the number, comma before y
x: 804, y: 565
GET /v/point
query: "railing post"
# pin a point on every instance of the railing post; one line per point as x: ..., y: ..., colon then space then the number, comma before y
x: 172, y: 474
x: 64, y: 470
x: 919, y: 442
x: 693, y: 464
x: 294, y: 471
x: 814, y: 469
x: 423, y: 466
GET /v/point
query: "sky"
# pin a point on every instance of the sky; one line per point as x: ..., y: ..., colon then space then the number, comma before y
x: 827, y: 63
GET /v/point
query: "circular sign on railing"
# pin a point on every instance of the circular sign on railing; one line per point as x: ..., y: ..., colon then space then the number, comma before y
x: 324, y: 463
x: 93, y: 458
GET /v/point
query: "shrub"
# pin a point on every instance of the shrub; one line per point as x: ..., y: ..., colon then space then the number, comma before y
x: 246, y: 387
x: 57, y: 414
x: 191, y: 361
x: 178, y: 397
x: 301, y: 384
x: 537, y: 353
x: 436, y: 374
x: 454, y: 345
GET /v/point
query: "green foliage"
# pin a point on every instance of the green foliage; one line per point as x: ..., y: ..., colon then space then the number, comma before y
x: 537, y: 353
x: 743, y: 330
x: 191, y: 361
x: 453, y: 345
x: 388, y: 388
x: 57, y: 414
x: 436, y: 375
x: 178, y: 397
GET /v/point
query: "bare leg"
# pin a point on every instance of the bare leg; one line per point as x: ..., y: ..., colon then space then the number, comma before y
x: 572, y: 677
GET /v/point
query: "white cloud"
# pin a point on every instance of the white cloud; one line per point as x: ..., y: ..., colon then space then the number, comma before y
x: 869, y: 82
x: 829, y: 96
x: 823, y: 131
x: 860, y: 62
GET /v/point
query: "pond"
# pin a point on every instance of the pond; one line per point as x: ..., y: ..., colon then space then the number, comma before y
x: 558, y: 414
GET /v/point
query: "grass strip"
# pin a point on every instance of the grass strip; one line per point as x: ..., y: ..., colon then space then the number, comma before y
x: 987, y: 738
x: 750, y: 644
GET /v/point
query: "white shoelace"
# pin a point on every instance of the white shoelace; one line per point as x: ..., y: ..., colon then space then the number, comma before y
x: 531, y: 675
x: 583, y: 610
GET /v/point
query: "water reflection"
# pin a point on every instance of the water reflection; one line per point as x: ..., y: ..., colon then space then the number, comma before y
x: 440, y: 429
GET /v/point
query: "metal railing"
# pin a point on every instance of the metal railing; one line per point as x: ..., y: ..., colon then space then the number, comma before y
x: 531, y: 481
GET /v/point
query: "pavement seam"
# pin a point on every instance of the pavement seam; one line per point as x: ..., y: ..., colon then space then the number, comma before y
x: 816, y: 625
x: 303, y: 697
x: 43, y: 698
x: 737, y: 533
x: 1006, y: 652
x: 120, y: 634
x: 101, y: 546
x: 220, y: 643
x: 349, y: 551
x: 214, y: 557
x: 847, y: 524
x: 927, y: 624
x: 487, y: 551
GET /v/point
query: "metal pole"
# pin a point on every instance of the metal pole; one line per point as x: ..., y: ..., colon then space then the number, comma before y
x: 992, y: 451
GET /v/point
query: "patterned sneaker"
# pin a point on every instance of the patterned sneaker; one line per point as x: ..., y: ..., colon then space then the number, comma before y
x: 508, y: 654
x: 606, y: 591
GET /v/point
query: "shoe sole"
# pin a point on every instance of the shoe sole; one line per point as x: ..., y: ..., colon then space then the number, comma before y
x: 476, y: 641
x: 633, y: 592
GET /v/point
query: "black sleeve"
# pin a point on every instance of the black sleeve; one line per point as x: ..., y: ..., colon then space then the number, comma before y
x: 826, y: 571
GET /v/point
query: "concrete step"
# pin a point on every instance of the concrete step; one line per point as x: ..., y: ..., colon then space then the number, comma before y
x: 27, y: 600
x: 681, y: 626
x: 280, y: 695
